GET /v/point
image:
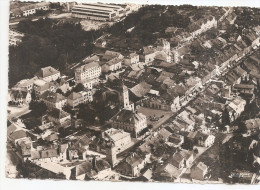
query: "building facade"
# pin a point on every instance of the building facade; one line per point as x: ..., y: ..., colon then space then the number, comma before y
x: 87, y: 72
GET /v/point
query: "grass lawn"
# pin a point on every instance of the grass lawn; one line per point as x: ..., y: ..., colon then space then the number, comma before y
x: 158, y: 113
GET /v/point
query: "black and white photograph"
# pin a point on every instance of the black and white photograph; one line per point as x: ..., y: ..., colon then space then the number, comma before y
x: 127, y: 92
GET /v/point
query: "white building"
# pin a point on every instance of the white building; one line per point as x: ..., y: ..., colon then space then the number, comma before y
x: 120, y: 138
x: 98, y: 11
x: 235, y: 108
x: 88, y: 71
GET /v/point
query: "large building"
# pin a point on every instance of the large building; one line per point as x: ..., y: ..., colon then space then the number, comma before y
x: 129, y: 121
x: 53, y: 100
x: 75, y: 99
x: 98, y: 11
x: 87, y: 72
x: 119, y: 138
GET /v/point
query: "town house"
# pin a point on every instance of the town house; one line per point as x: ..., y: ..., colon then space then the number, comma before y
x: 199, y: 171
x: 112, y: 65
x: 235, y: 108
x: 75, y: 99
x: 129, y: 121
x: 90, y: 71
x: 119, y: 138
x: 53, y: 100
x: 132, y: 59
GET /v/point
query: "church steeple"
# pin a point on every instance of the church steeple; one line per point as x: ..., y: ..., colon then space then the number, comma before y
x: 125, y: 96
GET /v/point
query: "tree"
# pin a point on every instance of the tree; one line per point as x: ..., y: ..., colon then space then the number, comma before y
x: 32, y: 123
x: 38, y: 108
x: 33, y: 95
x: 225, y: 117
x: 78, y: 88
x: 59, y: 91
x: 87, y: 114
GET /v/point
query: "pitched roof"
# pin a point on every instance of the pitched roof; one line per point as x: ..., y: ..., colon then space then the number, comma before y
x: 25, y: 82
x: 111, y: 54
x: 175, y: 138
x: 202, y: 166
x: 11, y: 128
x: 128, y: 116
x: 58, y: 113
x: 91, y: 59
x: 114, y: 61
x: 176, y: 159
x: 164, y: 133
x: 116, y: 134
x: 145, y: 148
x: 164, y: 75
x: 102, y: 165
x: 83, y: 168
x: 141, y: 89
x: 247, y: 86
x: 18, y: 134
x: 74, y: 96
x: 134, y: 159
x: 252, y: 123
x: 46, y: 71
x: 87, y: 66
x: 35, y: 155
x: 49, y: 153
x: 52, y: 97
x: 172, y: 170
x: 186, y: 154
x: 192, y: 134
x: 63, y: 147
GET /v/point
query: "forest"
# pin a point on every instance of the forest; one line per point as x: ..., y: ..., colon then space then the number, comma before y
x: 48, y: 43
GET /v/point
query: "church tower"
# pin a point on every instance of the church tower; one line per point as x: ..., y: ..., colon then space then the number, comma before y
x: 125, y: 96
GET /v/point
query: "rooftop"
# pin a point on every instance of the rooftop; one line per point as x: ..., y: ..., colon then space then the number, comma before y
x: 52, y: 97
x: 128, y: 116
x: 87, y: 66
x: 116, y: 134
x: 46, y: 71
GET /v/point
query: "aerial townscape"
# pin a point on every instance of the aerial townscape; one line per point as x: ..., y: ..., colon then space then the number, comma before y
x: 132, y: 92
